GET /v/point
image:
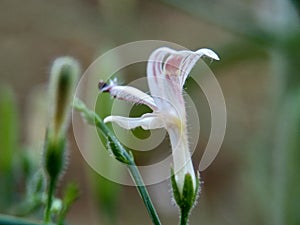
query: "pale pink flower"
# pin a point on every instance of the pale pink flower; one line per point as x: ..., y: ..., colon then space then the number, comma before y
x: 167, y: 71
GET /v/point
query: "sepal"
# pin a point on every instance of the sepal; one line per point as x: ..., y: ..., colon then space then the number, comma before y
x: 54, y: 155
x: 185, y: 200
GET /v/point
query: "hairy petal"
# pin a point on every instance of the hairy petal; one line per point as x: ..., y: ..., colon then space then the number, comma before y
x: 147, y: 121
x: 128, y: 93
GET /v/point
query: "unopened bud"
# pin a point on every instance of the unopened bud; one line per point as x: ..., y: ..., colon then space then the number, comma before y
x: 63, y: 78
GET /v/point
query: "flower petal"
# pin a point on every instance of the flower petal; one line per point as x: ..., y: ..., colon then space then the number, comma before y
x: 147, y: 121
x: 155, y: 74
x: 127, y: 93
x: 208, y: 52
x: 165, y: 91
x: 179, y: 65
x: 167, y: 71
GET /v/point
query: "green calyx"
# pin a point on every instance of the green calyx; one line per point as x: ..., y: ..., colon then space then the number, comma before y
x: 54, y: 156
x: 185, y: 200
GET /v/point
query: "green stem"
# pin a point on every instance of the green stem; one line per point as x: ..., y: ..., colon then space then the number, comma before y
x: 51, y: 189
x: 144, y: 193
x: 93, y: 118
x: 184, y: 216
x: 133, y: 171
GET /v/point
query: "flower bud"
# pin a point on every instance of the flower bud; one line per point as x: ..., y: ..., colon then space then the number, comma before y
x: 63, y: 77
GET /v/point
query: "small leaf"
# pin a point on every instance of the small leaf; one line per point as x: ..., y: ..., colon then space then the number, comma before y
x: 71, y: 194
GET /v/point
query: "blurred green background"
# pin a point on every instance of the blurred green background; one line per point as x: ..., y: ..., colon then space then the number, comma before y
x: 255, y: 178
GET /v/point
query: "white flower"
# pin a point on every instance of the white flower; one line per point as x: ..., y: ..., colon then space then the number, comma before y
x: 167, y: 71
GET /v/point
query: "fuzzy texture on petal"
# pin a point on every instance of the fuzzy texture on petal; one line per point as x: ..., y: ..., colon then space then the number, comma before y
x: 127, y: 93
x: 132, y: 94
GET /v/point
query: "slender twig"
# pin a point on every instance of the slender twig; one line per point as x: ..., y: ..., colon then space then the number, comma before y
x: 122, y: 155
x: 144, y: 193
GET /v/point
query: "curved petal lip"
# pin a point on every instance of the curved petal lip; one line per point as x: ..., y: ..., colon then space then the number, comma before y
x: 208, y: 52
x: 148, y: 121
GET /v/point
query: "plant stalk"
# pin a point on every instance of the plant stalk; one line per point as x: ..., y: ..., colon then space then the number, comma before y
x: 51, y: 189
x: 94, y: 119
x: 184, y: 218
x: 136, y: 176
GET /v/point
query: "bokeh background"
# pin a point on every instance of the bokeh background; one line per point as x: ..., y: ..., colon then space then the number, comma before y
x: 255, y: 178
